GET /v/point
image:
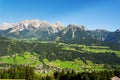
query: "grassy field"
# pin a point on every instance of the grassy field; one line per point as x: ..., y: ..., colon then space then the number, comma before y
x: 76, y: 65
x: 25, y: 58
x: 90, y: 49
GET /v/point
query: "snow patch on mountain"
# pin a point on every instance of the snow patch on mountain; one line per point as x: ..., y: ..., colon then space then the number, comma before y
x: 5, y: 26
x: 31, y: 25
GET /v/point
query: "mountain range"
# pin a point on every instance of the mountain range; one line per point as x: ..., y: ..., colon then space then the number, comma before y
x: 43, y: 30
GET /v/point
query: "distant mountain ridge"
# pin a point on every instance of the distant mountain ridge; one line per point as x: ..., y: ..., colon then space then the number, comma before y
x: 43, y: 30
x: 113, y: 37
x: 75, y: 32
x: 31, y: 29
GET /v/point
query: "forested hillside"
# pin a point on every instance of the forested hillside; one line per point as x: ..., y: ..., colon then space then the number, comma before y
x: 57, y: 50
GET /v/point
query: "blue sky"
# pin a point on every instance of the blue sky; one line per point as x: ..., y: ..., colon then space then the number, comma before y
x: 103, y: 14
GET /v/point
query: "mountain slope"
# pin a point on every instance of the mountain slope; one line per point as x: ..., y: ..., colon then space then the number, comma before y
x: 113, y: 37
x: 80, y: 34
x: 2, y: 38
x: 99, y: 34
x: 75, y: 32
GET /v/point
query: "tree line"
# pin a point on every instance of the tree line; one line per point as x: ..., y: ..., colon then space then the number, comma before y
x: 27, y: 73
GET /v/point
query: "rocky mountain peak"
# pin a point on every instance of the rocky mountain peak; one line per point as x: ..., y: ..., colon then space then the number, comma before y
x: 31, y: 25
x: 99, y: 30
x: 35, y: 23
x: 5, y: 26
x: 77, y: 26
x: 118, y: 30
x: 58, y: 24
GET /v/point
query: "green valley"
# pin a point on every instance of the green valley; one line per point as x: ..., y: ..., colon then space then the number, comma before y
x: 59, y: 55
